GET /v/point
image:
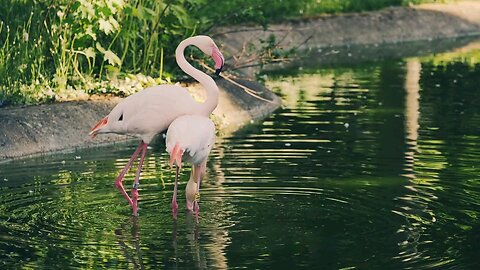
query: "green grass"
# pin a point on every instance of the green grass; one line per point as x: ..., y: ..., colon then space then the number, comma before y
x: 340, y: 6
x: 55, y: 50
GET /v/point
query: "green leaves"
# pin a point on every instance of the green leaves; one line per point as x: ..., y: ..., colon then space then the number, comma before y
x: 73, y: 41
x: 89, y: 52
x: 112, y: 58
x: 108, y: 26
x: 105, y: 26
x: 109, y: 56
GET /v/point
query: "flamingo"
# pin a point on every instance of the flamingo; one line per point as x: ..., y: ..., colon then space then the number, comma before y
x: 151, y: 110
x: 190, y: 138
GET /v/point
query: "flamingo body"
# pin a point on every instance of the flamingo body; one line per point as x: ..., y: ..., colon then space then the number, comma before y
x: 190, y: 138
x: 152, y: 110
x: 194, y: 134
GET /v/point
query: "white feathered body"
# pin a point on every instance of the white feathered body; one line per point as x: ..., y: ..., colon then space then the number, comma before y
x: 151, y: 111
x: 195, y: 135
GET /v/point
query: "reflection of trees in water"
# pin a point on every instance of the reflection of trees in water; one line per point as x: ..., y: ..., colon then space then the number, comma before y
x: 441, y: 117
x: 386, y: 136
x: 410, y: 207
x: 383, y: 136
x: 221, y: 210
x: 451, y: 95
x: 435, y: 146
x: 350, y: 117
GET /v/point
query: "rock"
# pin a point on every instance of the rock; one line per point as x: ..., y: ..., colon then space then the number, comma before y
x: 345, y: 37
x: 33, y: 130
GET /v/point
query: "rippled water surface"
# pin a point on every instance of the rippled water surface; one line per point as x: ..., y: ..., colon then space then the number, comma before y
x: 370, y: 166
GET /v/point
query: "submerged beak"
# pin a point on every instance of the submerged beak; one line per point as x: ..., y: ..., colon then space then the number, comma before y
x: 176, y: 156
x: 218, y: 59
x: 97, y: 127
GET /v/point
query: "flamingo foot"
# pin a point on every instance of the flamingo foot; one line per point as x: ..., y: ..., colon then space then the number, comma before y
x: 133, y: 201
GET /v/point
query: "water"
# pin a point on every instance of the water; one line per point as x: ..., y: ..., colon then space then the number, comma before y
x: 367, y: 166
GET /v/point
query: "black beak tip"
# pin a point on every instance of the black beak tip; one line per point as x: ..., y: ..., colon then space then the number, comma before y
x: 217, y: 72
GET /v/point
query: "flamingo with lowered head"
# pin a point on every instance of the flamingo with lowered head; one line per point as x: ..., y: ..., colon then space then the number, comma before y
x: 152, y: 110
x: 190, y: 138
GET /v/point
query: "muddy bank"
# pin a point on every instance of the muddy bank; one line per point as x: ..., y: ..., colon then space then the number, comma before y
x: 33, y: 130
x: 39, y: 129
x: 353, y: 54
x: 319, y: 38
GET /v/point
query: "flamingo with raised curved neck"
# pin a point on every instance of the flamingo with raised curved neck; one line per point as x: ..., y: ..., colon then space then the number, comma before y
x: 151, y: 110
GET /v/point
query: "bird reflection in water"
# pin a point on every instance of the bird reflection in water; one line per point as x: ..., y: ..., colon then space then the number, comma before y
x: 188, y: 238
x: 192, y: 236
x: 136, y: 258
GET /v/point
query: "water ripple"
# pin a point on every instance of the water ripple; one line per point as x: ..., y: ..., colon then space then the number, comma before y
x: 356, y: 171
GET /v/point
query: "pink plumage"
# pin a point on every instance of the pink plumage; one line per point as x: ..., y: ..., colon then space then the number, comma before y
x: 190, y: 138
x: 153, y: 109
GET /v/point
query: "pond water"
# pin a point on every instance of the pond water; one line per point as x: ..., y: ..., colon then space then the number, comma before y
x: 369, y: 166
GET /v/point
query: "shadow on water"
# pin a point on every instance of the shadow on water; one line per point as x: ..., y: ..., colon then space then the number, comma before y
x: 370, y: 166
x: 130, y: 242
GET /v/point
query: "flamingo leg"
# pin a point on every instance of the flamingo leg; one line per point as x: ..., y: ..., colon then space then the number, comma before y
x: 200, y: 171
x: 136, y: 183
x: 176, y: 158
x: 121, y: 176
x: 174, y: 199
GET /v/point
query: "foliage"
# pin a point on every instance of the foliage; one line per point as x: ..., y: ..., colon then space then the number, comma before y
x: 58, y: 49
x: 338, y: 6
x: 469, y: 57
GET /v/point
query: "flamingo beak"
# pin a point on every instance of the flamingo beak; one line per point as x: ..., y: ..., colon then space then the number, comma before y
x: 97, y: 127
x: 176, y: 156
x: 218, y: 59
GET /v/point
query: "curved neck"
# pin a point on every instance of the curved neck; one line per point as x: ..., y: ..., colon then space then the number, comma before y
x: 206, y: 81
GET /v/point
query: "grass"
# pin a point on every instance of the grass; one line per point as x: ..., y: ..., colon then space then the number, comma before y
x: 340, y: 6
x: 57, y: 50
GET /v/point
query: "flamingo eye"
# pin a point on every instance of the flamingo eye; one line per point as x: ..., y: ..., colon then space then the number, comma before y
x: 121, y: 117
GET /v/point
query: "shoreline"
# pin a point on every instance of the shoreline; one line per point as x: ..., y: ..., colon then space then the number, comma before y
x: 27, y: 131
x: 315, y: 38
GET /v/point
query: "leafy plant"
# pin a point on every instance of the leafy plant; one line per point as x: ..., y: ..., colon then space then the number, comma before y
x: 54, y: 50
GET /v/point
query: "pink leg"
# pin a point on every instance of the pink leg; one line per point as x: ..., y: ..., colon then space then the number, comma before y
x: 174, y: 199
x: 201, y: 172
x: 136, y: 183
x: 121, y: 176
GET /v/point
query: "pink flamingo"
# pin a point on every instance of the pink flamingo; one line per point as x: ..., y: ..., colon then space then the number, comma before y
x: 150, y: 111
x: 190, y: 138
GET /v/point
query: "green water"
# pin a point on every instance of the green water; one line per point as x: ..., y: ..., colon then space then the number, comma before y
x: 367, y: 166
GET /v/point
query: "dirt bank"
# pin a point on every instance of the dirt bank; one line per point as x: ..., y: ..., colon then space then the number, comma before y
x: 30, y: 130
x: 38, y: 129
x: 368, y: 29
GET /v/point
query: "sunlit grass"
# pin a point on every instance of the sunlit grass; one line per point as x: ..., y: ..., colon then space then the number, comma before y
x: 53, y: 51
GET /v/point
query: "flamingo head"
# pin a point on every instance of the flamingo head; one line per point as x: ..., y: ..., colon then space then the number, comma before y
x: 208, y: 47
x: 98, y: 127
x: 218, y: 59
x: 190, y: 191
x: 113, y: 123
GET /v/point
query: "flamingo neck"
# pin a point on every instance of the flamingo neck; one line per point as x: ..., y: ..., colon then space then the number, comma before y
x: 206, y: 81
x: 190, y: 191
